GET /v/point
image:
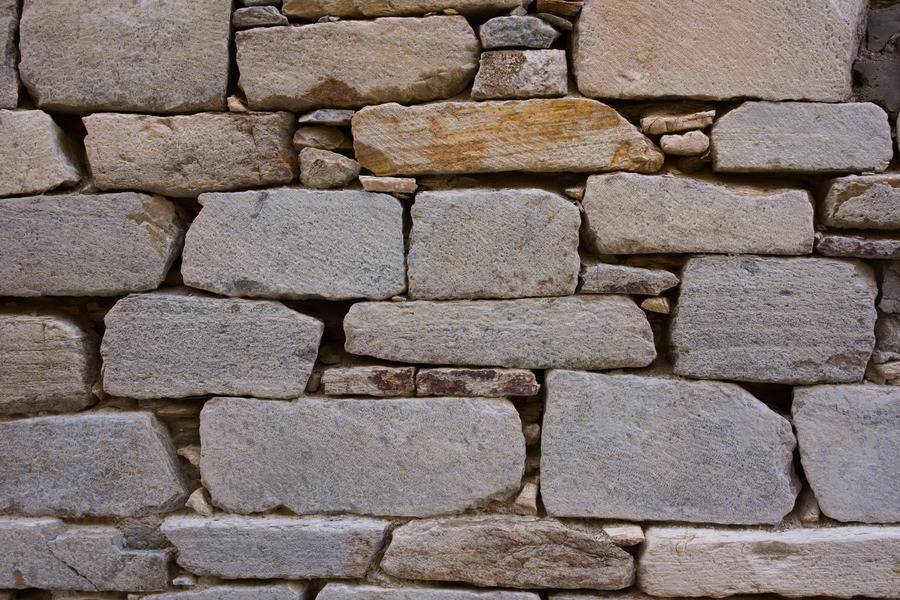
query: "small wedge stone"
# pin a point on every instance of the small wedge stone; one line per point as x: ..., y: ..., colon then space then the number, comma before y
x: 862, y: 202
x: 521, y: 74
x: 371, y: 381
x: 335, y: 117
x: 338, y: 591
x: 322, y: 169
x: 602, y: 278
x: 675, y: 118
x: 257, y: 16
x: 657, y: 305
x: 563, y: 8
x: 685, y: 144
x: 624, y: 534
x: 322, y: 137
x: 391, y: 185
x: 515, y: 31
x: 35, y: 155
x: 487, y: 383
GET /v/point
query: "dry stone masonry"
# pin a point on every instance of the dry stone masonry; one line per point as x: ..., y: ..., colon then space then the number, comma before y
x: 449, y: 299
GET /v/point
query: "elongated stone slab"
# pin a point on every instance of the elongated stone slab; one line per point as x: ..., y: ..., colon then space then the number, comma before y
x: 488, y: 383
x: 648, y: 449
x: 314, y: 9
x: 626, y: 213
x: 790, y: 320
x: 511, y: 135
x: 35, y: 154
x: 273, y: 591
x: 346, y: 456
x: 173, y: 345
x: 349, y: 64
x: 339, y: 591
x: 9, y: 77
x: 839, y: 562
x: 576, y: 332
x: 602, y: 278
x: 859, y: 246
x: 275, y: 546
x: 862, y: 202
x: 381, y: 381
x: 295, y: 243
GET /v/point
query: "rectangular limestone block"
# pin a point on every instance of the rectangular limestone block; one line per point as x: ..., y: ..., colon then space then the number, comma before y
x: 838, y: 562
x: 777, y: 320
x: 627, y: 213
x: 340, y: 591
x: 521, y: 74
x: 87, y: 245
x: 190, y: 154
x: 90, y: 464
x: 766, y: 49
x: 174, y: 345
x: 296, y: 243
x: 802, y: 137
x: 378, y: 381
x: 9, y: 77
x: 350, y: 64
x: 862, y: 202
x: 494, y: 136
x: 347, y: 456
x: 652, y: 449
x: 576, y: 332
x: 168, y: 55
x: 493, y: 243
x: 265, y: 591
x: 35, y: 155
x: 276, y: 546
x: 488, y: 383
x: 603, y: 278
x: 315, y: 9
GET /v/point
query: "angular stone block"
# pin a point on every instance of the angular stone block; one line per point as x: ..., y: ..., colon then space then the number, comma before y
x: 296, y: 243
x: 258, y: 16
x: 371, y: 381
x: 521, y: 74
x: 862, y: 202
x: 269, y: 591
x: 314, y: 9
x: 323, y: 169
x: 487, y: 383
x: 516, y: 31
x: 576, y: 332
x: 787, y: 320
x: 347, y: 456
x: 9, y: 77
x: 602, y: 278
x: 858, y: 246
x: 35, y: 154
x: 338, y: 591
x: 174, y: 345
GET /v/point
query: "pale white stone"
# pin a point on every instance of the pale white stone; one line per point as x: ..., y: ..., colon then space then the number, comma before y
x: 313, y: 9
x: 339, y: 591
x: 862, y: 202
x: 624, y: 534
x: 199, y: 502
x: 685, y: 144
x: 323, y: 169
x: 677, y: 117
x: 35, y: 154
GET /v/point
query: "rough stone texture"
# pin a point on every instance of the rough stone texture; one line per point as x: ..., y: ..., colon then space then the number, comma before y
x: 648, y: 449
x: 169, y: 345
x: 677, y: 117
x: 772, y: 137
x: 9, y: 77
x: 576, y: 332
x: 50, y: 362
x: 35, y: 154
x: 48, y: 554
x: 331, y: 456
x: 515, y: 31
x: 521, y: 74
x: 328, y: 116
x: 878, y: 77
x: 55, y: 465
x: 275, y: 546
x: 348, y: 64
x: 857, y: 478
x: 838, y: 562
x: 314, y: 9
x: 321, y: 136
x: 766, y: 49
x: 882, y: 25
x: 493, y: 136
x: 394, y: 185
x: 272, y: 591
x: 626, y: 213
x: 168, y: 56
x: 187, y: 155
x: 493, y: 243
x: 858, y: 246
x: 602, y: 278
x: 862, y: 202
x: 371, y: 381
x: 685, y: 144
x: 890, y: 288
x: 337, y: 591
x: 87, y: 245
x: 789, y: 320
x: 488, y: 383
x: 258, y: 16
x: 295, y: 243
x: 519, y: 552
x: 887, y: 336
x: 323, y: 169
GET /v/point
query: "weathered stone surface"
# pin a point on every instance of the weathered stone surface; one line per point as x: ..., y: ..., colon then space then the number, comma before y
x: 35, y: 154
x: 48, y: 554
x: 580, y: 332
x: 268, y: 591
x: 258, y: 16
x: 323, y: 137
x: 887, y: 338
x: 346, y: 456
x: 488, y: 383
x: 348, y: 64
x: 295, y: 243
x: 858, y: 246
x: 878, y: 77
x: 168, y: 56
x: 275, y: 546
x: 323, y: 169
x: 521, y: 74
x: 520, y: 552
x: 602, y: 278
x: 624, y: 534
x: 516, y: 31
x: 328, y: 116
x: 648, y: 449
x: 57, y: 465
x: 187, y: 155
x: 337, y: 591
x: 371, y: 381
x: 313, y: 9
x: 760, y: 49
x: 87, y: 245
x: 789, y: 320
x: 493, y: 136
x: 838, y: 562
x: 806, y: 137
x: 862, y: 202
x: 857, y: 478
x: 9, y: 77
x: 493, y: 243
x: 171, y: 345
x: 564, y: 8
x: 677, y: 117
x: 50, y: 362
x: 626, y: 213
x: 890, y: 288
x: 685, y: 144
x: 394, y: 185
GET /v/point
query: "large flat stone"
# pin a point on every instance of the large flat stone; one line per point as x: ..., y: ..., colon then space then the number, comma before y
x: 493, y: 243
x: 784, y: 320
x: 339, y: 591
x: 627, y: 213
x: 296, y: 243
x: 35, y: 155
x: 493, y: 136
x: 168, y: 55
x: 838, y: 562
x: 772, y: 137
x: 87, y: 245
x: 731, y: 49
x: 857, y: 478
x: 347, y: 456
x: 187, y: 155
x: 173, y: 345
x: 349, y: 64
x: 862, y: 202
x: 314, y: 9
x: 266, y: 591
x: 576, y: 332
x: 9, y: 77
x: 275, y: 546
x: 648, y: 449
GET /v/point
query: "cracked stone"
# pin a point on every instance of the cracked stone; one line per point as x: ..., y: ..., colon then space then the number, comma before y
x: 862, y: 202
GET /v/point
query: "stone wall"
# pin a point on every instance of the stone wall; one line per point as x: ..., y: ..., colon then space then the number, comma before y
x: 449, y: 299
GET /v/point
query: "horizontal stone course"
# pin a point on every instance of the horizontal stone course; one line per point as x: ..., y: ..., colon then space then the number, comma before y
x: 603, y: 278
x: 273, y: 591
x: 314, y: 9
x: 338, y: 591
